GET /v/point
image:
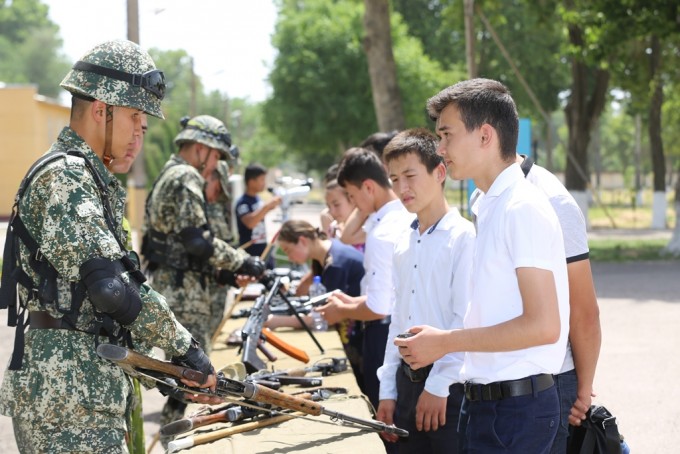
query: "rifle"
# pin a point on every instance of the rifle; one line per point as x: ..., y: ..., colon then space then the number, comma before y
x: 234, y: 413
x: 137, y: 364
x: 253, y: 330
x: 302, y: 305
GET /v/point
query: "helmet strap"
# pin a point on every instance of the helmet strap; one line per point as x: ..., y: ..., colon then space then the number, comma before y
x: 107, y: 157
x: 201, y: 166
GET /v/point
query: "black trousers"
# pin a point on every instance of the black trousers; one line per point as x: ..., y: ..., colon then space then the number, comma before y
x: 444, y: 440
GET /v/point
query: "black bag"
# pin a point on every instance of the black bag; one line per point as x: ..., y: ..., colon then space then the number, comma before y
x: 597, y: 434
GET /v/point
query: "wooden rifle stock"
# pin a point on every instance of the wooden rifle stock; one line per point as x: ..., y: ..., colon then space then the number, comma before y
x: 125, y: 357
x: 228, y: 387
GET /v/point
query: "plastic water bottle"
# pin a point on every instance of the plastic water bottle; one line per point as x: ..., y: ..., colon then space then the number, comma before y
x: 317, y: 288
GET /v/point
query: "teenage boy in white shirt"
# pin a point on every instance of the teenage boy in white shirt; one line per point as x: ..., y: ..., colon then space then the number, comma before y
x: 431, y: 275
x: 516, y: 328
x: 364, y: 177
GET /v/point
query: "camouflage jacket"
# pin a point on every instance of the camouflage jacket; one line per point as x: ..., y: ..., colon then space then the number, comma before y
x: 177, y: 202
x: 219, y: 218
x: 62, y: 378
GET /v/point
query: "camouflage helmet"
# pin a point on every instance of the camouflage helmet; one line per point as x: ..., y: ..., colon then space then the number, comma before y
x: 223, y: 171
x: 207, y: 130
x: 118, y: 73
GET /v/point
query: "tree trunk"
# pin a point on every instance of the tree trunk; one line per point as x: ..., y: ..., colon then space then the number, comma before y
x: 655, y: 140
x: 586, y: 103
x: 469, y: 9
x: 381, y: 66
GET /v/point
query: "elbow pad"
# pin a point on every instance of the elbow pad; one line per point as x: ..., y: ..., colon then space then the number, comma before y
x: 196, y: 244
x: 108, y: 292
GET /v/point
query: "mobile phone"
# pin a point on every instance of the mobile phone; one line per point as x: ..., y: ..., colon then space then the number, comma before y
x: 405, y: 335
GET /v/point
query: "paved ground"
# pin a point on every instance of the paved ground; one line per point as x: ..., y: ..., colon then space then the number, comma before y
x: 636, y: 377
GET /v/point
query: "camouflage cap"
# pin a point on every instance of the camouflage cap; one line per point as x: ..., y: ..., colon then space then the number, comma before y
x: 118, y: 73
x: 207, y: 130
x: 223, y: 171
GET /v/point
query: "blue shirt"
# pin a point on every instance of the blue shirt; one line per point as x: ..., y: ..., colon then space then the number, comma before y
x: 344, y: 269
x: 247, y: 204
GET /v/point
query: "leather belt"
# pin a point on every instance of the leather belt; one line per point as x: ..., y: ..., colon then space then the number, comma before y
x: 416, y: 376
x: 511, y: 388
x: 43, y: 320
x: 382, y: 321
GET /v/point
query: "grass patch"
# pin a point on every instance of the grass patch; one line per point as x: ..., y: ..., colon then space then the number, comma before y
x: 628, y: 250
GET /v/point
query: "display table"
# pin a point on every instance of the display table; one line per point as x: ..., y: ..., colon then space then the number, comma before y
x: 311, y: 434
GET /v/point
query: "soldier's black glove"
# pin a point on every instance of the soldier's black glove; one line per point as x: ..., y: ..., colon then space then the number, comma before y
x: 252, y: 266
x: 168, y: 389
x: 225, y: 277
x: 196, y: 359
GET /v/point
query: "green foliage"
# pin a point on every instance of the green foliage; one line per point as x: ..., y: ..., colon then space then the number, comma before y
x: 322, y: 97
x: 29, y: 47
x: 530, y: 32
x: 322, y: 100
x: 621, y: 250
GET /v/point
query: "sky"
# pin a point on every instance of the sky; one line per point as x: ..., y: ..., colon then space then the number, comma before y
x: 230, y: 40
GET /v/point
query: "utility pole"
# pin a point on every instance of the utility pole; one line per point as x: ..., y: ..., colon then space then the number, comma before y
x: 192, y: 106
x: 136, y: 180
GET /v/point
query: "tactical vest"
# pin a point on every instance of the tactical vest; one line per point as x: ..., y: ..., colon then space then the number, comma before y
x: 167, y: 249
x: 45, y: 291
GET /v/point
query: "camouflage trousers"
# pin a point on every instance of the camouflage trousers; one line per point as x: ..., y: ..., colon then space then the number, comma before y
x: 218, y: 295
x: 37, y: 437
x: 192, y: 306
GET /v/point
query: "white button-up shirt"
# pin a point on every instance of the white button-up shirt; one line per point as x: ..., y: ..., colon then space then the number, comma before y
x: 383, y: 228
x: 432, y: 283
x: 516, y: 227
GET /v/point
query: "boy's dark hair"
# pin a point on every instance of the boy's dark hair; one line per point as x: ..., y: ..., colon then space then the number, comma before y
x: 481, y: 101
x: 331, y: 174
x: 377, y: 141
x: 253, y: 171
x: 359, y: 165
x: 418, y: 141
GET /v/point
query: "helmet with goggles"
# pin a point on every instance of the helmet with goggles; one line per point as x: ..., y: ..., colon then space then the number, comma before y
x: 118, y: 73
x: 206, y: 130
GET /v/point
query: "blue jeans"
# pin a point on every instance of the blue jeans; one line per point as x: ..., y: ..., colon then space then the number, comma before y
x: 567, y: 387
x: 523, y: 424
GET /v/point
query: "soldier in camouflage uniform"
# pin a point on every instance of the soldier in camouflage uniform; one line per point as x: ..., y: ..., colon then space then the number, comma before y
x: 219, y: 217
x: 182, y: 251
x: 76, y: 280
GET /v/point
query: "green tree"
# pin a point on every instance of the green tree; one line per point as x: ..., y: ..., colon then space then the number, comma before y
x: 247, y: 128
x: 321, y: 102
x: 29, y: 47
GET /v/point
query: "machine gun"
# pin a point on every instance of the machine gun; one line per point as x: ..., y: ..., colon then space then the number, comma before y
x: 253, y: 331
x: 302, y: 305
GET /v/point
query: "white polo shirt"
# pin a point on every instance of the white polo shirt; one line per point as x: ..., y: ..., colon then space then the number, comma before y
x: 431, y: 276
x: 516, y: 228
x: 383, y: 228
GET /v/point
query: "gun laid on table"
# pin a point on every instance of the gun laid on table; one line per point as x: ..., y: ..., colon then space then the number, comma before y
x: 137, y: 364
x: 236, y: 413
x: 302, y: 305
x: 253, y: 333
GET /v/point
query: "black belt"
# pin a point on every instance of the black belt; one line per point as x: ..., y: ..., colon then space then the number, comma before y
x: 416, y: 376
x: 382, y: 321
x: 511, y: 388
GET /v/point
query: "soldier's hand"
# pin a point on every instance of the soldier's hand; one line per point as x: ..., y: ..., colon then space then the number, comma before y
x: 196, y: 359
x: 252, y: 266
x: 225, y: 277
